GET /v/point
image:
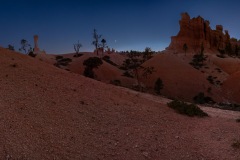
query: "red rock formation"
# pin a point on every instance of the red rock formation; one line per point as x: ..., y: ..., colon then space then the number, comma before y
x: 197, y: 31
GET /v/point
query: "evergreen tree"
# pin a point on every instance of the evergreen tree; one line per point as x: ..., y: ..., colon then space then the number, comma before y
x: 158, y: 86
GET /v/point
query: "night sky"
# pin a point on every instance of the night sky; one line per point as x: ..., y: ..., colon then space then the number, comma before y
x: 125, y: 24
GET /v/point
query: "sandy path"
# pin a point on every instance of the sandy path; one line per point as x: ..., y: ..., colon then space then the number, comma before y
x: 212, y: 112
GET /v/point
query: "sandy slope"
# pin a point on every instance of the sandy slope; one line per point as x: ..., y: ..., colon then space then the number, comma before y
x: 232, y: 87
x: 49, y: 113
x: 180, y: 79
x: 229, y: 65
x: 105, y: 72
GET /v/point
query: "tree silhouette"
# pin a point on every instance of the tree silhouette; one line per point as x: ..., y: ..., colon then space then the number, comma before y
x: 77, y: 47
x: 25, y: 46
x: 158, y: 86
x: 134, y: 64
x: 198, y: 59
x: 103, y: 41
x: 11, y: 47
x: 147, y: 54
x: 91, y: 63
x: 96, y: 38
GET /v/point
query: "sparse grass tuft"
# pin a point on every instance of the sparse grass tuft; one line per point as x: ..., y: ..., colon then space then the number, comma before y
x: 190, y: 110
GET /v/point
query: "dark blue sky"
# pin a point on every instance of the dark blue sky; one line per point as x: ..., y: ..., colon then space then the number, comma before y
x: 125, y: 24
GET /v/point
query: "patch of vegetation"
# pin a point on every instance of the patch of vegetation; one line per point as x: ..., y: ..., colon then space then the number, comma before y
x: 77, y: 55
x: 61, y: 61
x: 158, y: 86
x: 88, y: 72
x: 127, y: 74
x: 238, y: 120
x: 31, y: 54
x: 213, y: 80
x: 11, y: 47
x: 236, y: 144
x: 116, y: 82
x: 91, y: 63
x: 59, y: 57
x: 202, y: 99
x: 210, y: 79
x: 190, y: 110
x: 107, y: 59
x: 229, y: 106
x: 134, y: 65
x: 25, y: 46
x: 218, y: 82
x: 198, y: 59
x: 147, y: 54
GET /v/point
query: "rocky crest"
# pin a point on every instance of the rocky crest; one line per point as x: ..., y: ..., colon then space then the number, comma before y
x: 197, y: 31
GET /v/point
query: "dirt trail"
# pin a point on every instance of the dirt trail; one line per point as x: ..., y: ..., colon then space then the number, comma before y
x: 212, y: 112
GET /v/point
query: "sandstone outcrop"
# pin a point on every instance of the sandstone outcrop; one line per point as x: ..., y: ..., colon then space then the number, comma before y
x: 197, y: 31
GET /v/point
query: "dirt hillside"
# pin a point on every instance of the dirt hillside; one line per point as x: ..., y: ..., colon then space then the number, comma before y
x: 49, y: 113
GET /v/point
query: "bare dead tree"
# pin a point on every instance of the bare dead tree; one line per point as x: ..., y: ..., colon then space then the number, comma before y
x: 77, y: 47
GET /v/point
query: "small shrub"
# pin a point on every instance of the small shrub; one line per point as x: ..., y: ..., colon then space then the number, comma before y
x: 197, y: 61
x: 77, y: 55
x: 65, y: 60
x: 31, y: 54
x: 59, y: 57
x: 61, y: 61
x: 218, y: 82
x: 201, y: 99
x: 238, y: 120
x: 186, y: 109
x: 88, y: 72
x: 210, y: 79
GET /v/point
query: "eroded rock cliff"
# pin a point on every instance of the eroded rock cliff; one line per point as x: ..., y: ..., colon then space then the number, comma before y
x: 197, y: 31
